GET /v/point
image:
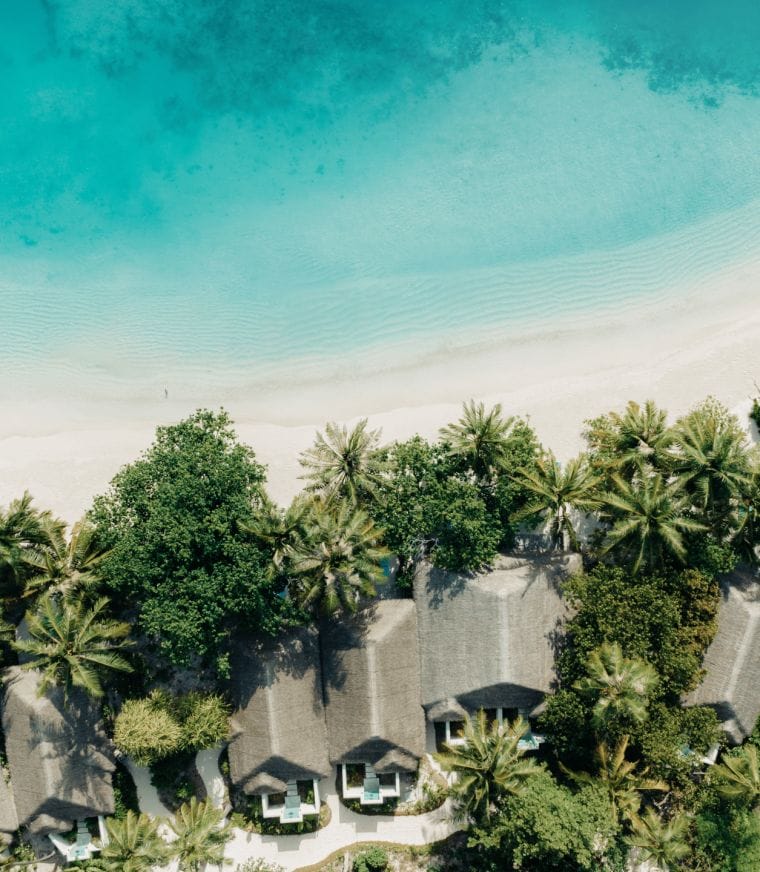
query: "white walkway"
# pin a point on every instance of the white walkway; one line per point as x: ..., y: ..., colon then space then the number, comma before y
x: 345, y: 829
x: 207, y: 764
x: 147, y: 795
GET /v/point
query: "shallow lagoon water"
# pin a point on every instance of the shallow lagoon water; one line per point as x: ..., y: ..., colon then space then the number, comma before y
x: 192, y: 187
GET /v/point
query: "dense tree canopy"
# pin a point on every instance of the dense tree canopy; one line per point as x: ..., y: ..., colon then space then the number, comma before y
x: 172, y: 521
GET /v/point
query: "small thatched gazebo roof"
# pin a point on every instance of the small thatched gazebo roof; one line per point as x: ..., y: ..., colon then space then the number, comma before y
x: 279, y: 724
x: 8, y: 817
x: 372, y: 687
x: 489, y: 640
x: 732, y: 662
x: 59, y: 756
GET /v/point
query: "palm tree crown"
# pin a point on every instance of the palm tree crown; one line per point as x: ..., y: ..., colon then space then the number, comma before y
x: 134, y: 845
x: 73, y: 646
x: 66, y: 567
x: 636, y: 441
x: 488, y: 765
x: 23, y: 529
x: 712, y: 462
x: 620, y: 779
x: 663, y: 844
x: 738, y: 775
x: 200, y: 836
x: 556, y: 491
x: 479, y: 438
x: 338, y: 562
x: 281, y: 532
x: 649, y: 520
x: 344, y: 463
x: 620, y: 686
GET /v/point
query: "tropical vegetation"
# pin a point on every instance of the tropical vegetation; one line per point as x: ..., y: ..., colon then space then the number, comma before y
x: 141, y: 603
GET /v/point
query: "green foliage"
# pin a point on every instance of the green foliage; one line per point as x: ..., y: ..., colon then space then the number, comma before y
x: 674, y: 622
x: 172, y: 520
x: 546, y: 826
x: 339, y: 560
x: 555, y: 492
x: 23, y: 530
x: 344, y: 464
x: 161, y: 725
x: 135, y: 845
x: 73, y: 645
x: 124, y: 792
x: 374, y: 859
x: 649, y: 519
x: 259, y: 865
x: 426, y: 509
x: 619, y: 687
x: 479, y: 440
x: 726, y: 838
x: 662, y: 842
x: 146, y: 731
x: 200, y: 835
x: 489, y: 765
x: 205, y: 720
x: 737, y: 777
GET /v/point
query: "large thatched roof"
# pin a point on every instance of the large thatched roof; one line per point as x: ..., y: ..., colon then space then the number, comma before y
x: 59, y: 756
x: 8, y: 819
x: 732, y: 662
x: 489, y: 639
x: 279, y: 723
x: 372, y: 687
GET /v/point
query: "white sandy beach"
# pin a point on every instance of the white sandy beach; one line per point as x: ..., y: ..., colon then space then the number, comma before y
x: 699, y: 341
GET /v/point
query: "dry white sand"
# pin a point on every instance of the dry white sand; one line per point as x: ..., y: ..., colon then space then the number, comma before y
x: 702, y: 340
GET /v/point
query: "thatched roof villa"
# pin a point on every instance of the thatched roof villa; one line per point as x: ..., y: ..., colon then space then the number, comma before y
x: 488, y: 640
x: 279, y: 745
x: 59, y: 756
x: 375, y: 724
x: 732, y: 662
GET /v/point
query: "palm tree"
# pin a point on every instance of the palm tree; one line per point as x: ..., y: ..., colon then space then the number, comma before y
x: 488, y: 765
x: 649, y: 520
x: 630, y: 443
x: 281, y: 531
x: 201, y: 837
x: 738, y: 776
x: 73, y: 645
x: 663, y: 844
x: 23, y: 529
x: 712, y: 463
x: 338, y: 562
x: 134, y: 845
x: 556, y: 491
x: 620, y: 686
x: 620, y: 780
x: 66, y: 567
x: 344, y: 463
x: 479, y: 438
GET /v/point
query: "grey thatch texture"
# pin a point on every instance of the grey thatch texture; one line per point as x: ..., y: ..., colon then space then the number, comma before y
x: 489, y: 640
x: 8, y: 818
x: 372, y: 687
x: 732, y: 662
x: 59, y: 756
x: 279, y: 724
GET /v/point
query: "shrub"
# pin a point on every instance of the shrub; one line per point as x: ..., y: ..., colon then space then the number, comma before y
x: 372, y: 860
x: 259, y: 865
x: 755, y: 412
x: 146, y: 731
x: 124, y: 793
x: 205, y: 720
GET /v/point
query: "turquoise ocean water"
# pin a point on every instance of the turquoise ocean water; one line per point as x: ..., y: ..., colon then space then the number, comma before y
x: 190, y: 187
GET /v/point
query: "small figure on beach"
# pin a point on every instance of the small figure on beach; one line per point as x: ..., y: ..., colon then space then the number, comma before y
x: 166, y: 393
